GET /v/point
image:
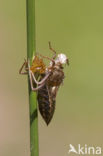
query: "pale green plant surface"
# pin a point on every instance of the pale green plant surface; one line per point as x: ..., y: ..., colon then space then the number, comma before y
x: 31, y: 47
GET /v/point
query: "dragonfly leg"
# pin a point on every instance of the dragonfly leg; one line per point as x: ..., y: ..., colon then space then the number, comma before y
x: 31, y: 81
x: 46, y: 57
x: 42, y: 81
x: 24, y: 65
x: 54, y: 56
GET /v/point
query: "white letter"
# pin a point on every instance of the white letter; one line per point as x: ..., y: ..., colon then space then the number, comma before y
x: 86, y: 149
x: 91, y: 148
x: 80, y: 149
x: 98, y: 150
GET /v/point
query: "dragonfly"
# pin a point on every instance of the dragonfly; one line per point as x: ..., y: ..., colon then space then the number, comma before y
x: 46, y: 80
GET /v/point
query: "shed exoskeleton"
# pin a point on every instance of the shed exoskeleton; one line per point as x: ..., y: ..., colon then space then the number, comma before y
x: 46, y: 79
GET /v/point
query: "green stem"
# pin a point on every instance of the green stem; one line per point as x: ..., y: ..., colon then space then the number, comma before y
x: 31, y: 47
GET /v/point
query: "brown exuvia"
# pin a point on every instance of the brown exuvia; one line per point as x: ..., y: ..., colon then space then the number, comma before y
x: 47, y: 81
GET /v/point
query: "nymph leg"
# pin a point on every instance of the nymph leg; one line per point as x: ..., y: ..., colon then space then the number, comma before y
x: 31, y: 81
x: 54, y: 56
x: 46, y: 57
x: 42, y: 81
x: 20, y: 71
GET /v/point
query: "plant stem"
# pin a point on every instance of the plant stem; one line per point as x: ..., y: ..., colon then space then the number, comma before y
x: 31, y: 47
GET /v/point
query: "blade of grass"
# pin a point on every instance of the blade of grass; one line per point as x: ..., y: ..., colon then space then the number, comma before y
x: 31, y: 47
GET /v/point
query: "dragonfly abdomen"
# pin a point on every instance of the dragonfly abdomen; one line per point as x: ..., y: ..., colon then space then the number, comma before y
x: 46, y: 104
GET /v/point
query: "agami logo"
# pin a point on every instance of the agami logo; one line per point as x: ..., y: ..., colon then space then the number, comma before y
x: 85, y: 150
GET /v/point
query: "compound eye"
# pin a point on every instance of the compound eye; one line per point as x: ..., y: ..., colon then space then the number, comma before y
x: 62, y: 67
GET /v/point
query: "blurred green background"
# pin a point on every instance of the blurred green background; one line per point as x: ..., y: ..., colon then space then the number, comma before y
x: 74, y: 27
